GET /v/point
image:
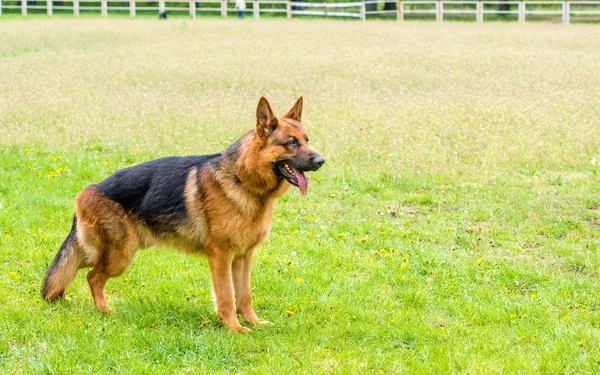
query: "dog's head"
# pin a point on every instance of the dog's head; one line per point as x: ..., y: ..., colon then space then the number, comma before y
x: 289, y: 153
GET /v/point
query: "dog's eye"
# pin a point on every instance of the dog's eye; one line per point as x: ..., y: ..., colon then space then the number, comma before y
x: 292, y: 142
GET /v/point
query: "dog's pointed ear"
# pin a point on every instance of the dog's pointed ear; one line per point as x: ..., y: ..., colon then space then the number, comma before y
x: 265, y: 119
x: 296, y: 112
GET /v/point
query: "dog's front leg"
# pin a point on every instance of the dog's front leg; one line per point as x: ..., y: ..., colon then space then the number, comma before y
x: 220, y: 262
x: 241, y: 268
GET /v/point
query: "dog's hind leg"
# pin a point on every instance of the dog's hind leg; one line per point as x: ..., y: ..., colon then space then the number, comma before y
x: 109, y: 239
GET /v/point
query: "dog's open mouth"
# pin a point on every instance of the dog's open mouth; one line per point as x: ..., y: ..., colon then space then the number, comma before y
x: 294, y: 176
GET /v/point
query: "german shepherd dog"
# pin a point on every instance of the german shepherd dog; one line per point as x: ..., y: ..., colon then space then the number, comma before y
x: 216, y: 205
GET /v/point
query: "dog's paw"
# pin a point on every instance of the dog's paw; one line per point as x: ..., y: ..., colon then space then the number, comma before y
x: 240, y: 329
x: 261, y: 322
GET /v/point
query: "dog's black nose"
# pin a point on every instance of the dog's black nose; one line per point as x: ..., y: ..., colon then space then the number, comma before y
x: 318, y: 161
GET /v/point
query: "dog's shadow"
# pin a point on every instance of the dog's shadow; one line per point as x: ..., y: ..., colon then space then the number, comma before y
x: 155, y: 312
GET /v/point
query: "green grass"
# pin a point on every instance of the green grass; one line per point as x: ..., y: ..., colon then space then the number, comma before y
x: 454, y: 228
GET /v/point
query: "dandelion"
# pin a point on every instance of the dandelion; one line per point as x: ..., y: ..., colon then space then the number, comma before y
x: 403, y: 266
x: 533, y: 296
x: 279, y: 214
x: 298, y: 281
x: 565, y: 318
x: 580, y: 343
x: 341, y: 235
x: 7, y: 236
x: 479, y: 261
x: 289, y: 312
x: 12, y: 274
x: 363, y: 240
x: 512, y: 316
x: 58, y: 157
x: 382, y: 233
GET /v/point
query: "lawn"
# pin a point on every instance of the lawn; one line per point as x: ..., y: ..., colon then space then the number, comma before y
x: 455, y: 227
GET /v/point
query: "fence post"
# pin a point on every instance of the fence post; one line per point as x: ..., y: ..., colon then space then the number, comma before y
x: 161, y: 6
x: 76, y: 8
x: 399, y: 10
x: 363, y: 11
x: 0, y: 8
x: 23, y: 8
x: 193, y: 9
x: 566, y: 12
x: 104, y: 6
x: 223, y: 9
x: 49, y: 7
x: 522, y: 12
x: 132, y: 8
x: 479, y: 11
x: 256, y: 10
x: 439, y: 7
x: 289, y: 9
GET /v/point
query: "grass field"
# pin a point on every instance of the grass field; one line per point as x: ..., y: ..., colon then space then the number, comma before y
x: 455, y: 227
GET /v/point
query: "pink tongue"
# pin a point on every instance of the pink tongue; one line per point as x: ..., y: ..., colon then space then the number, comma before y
x: 302, y: 181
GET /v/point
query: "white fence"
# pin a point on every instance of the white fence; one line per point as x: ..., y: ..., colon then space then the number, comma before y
x: 399, y: 9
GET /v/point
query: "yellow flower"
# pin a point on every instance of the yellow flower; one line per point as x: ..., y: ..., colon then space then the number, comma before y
x: 7, y: 236
x: 532, y: 296
x: 341, y: 235
x: 298, y: 281
x: 404, y: 266
x: 58, y: 157
x: 289, y: 312
x: 363, y: 240
x: 479, y: 261
x: 279, y: 214
x: 382, y: 233
x: 12, y: 274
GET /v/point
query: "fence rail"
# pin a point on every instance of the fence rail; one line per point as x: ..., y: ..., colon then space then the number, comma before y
x: 477, y: 10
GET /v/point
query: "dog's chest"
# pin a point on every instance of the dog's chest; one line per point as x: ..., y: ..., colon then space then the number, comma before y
x: 243, y: 232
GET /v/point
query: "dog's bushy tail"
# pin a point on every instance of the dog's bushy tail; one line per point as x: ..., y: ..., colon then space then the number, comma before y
x: 63, y: 268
